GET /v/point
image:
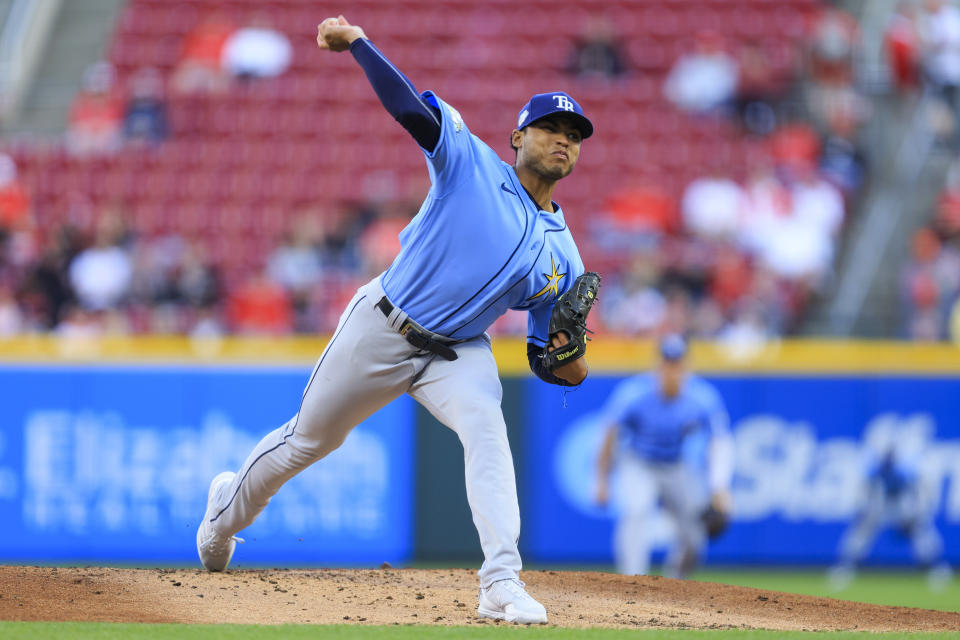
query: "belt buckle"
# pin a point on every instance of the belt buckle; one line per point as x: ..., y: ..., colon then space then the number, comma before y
x: 406, y: 328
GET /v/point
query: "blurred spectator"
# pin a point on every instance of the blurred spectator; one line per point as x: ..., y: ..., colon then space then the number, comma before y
x: 145, y: 118
x: 596, y: 53
x: 46, y: 289
x: 198, y: 279
x: 633, y: 216
x: 96, y: 118
x: 207, y: 325
x: 842, y: 164
x: 174, y: 284
x: 768, y: 200
x: 712, y: 205
x: 940, y: 32
x: 902, y: 42
x: 15, y: 204
x: 633, y: 304
x: 260, y: 307
x: 760, y: 87
x: 257, y: 50
x: 12, y: 320
x: 153, y: 269
x: 954, y: 321
x: 199, y: 69
x: 101, y: 275
x: 948, y: 207
x: 79, y: 323
x: 18, y: 237
x: 730, y: 276
x: 832, y: 41
x: 817, y: 203
x: 704, y: 80
x: 379, y: 243
x: 295, y: 265
x: 795, y: 146
x: 800, y: 246
x: 747, y: 330
x: 930, y: 286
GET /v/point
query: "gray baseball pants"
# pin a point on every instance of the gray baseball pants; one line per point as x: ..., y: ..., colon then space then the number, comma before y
x: 367, y: 364
x: 642, y: 484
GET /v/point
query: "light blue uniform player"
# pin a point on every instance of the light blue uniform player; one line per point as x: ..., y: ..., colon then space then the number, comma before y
x: 488, y: 238
x: 893, y: 495
x: 655, y: 420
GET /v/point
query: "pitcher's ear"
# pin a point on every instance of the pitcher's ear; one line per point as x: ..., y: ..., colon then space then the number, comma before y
x: 516, y: 137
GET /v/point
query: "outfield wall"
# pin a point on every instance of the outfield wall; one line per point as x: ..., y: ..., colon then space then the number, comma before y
x: 106, y: 448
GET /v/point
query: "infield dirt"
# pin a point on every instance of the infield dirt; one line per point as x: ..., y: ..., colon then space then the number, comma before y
x: 434, y: 597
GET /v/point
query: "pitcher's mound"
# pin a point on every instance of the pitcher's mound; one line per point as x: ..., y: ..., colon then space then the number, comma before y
x: 412, y: 596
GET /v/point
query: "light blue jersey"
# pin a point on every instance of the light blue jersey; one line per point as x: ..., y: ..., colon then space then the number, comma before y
x: 656, y: 427
x: 479, y: 245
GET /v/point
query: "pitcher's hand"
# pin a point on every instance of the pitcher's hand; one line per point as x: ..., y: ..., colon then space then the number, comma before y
x: 336, y: 34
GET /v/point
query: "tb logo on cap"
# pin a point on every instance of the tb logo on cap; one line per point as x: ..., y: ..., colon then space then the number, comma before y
x: 563, y: 102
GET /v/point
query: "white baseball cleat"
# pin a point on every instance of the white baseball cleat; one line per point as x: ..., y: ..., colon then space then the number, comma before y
x: 508, y: 600
x: 215, y: 550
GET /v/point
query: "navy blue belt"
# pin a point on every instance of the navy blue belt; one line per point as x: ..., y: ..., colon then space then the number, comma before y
x: 416, y: 335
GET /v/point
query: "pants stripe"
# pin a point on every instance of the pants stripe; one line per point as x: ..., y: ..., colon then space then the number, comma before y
x: 297, y: 417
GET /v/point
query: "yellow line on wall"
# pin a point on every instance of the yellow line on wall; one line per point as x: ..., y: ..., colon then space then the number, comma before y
x: 603, y: 354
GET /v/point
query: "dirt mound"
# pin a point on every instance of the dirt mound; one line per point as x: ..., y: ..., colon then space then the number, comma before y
x: 411, y: 596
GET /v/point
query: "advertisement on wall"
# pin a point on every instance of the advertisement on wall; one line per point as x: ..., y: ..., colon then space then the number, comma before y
x: 114, y: 463
x: 802, y: 447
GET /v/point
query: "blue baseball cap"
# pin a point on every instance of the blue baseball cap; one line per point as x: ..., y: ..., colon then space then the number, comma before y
x: 673, y: 347
x: 546, y: 104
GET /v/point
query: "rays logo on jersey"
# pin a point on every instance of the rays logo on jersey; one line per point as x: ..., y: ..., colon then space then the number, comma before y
x: 553, y: 281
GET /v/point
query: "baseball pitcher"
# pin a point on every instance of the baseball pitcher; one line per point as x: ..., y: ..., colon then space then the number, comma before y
x: 488, y: 238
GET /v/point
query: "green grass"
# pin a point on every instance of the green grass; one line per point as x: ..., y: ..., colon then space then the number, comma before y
x: 105, y: 631
x: 898, y: 588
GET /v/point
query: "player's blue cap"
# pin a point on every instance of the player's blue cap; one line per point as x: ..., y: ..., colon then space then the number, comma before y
x: 673, y: 347
x: 545, y: 104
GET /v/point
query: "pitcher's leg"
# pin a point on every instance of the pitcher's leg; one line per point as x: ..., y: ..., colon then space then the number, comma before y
x: 465, y: 395
x: 365, y: 366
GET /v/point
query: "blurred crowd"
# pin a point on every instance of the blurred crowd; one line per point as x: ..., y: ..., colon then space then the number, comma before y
x: 92, y: 275
x: 923, y: 47
x: 740, y: 252
x: 743, y: 250
x: 930, y: 278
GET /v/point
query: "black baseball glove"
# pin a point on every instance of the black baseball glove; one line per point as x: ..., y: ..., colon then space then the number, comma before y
x: 715, y: 522
x: 570, y: 316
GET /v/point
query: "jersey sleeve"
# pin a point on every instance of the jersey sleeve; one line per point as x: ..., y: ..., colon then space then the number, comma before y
x: 454, y: 159
x: 717, y: 418
x: 538, y: 325
x: 720, y: 454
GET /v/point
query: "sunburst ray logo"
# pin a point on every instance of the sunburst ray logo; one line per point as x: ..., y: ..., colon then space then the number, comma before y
x: 553, y: 281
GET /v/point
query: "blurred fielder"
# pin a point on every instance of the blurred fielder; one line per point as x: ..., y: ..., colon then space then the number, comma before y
x: 893, y: 495
x: 655, y: 419
x: 488, y: 238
